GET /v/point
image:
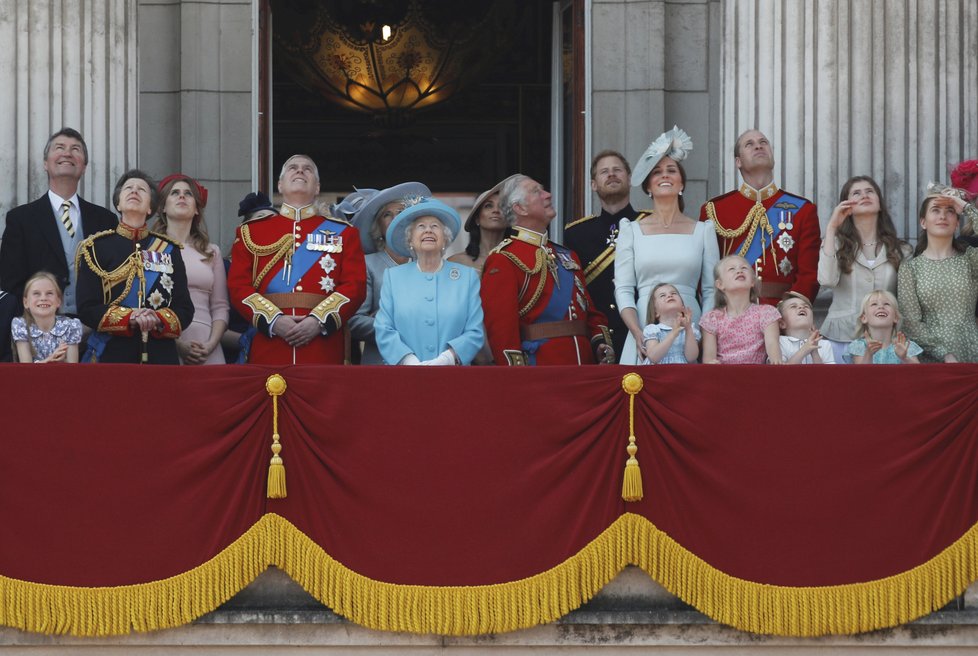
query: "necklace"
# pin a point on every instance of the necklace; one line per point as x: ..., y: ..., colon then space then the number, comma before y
x: 869, y: 243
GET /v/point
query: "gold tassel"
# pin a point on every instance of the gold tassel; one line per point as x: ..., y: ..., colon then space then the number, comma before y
x: 631, y: 485
x: 275, y: 386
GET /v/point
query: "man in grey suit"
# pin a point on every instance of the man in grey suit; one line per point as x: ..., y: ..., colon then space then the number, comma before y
x: 43, y: 235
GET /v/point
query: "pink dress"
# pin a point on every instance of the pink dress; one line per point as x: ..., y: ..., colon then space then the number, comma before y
x: 209, y: 291
x: 740, y: 340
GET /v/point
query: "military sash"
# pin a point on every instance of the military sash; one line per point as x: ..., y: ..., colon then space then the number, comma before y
x: 556, y: 307
x: 324, y: 239
x: 779, y: 216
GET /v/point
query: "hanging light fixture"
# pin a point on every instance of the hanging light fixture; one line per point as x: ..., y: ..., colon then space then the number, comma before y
x: 388, y: 58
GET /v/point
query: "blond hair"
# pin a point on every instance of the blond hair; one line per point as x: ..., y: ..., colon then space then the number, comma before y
x: 28, y: 317
x: 650, y: 315
x: 719, y: 298
x: 864, y: 326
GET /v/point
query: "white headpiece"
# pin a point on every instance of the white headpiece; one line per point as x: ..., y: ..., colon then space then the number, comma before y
x: 675, y: 144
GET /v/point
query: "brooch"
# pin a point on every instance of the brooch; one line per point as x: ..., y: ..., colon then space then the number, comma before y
x: 785, y: 241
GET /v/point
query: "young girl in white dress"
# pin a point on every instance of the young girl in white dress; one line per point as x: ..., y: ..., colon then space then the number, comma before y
x: 670, y: 336
x: 42, y: 335
x: 739, y: 330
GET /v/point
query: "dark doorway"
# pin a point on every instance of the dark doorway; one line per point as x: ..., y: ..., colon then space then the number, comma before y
x: 497, y: 123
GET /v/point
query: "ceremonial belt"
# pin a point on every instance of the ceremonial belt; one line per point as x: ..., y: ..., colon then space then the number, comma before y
x: 301, y: 261
x: 299, y: 300
x: 551, y: 329
x: 774, y: 289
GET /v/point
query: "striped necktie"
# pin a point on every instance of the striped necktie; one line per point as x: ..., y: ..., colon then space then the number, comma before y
x: 66, y: 218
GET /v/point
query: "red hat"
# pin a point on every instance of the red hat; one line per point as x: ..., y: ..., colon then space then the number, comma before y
x: 965, y: 176
x: 176, y: 177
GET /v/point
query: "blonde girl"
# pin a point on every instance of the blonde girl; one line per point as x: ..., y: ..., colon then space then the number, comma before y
x: 879, y: 340
x: 670, y: 336
x: 739, y: 330
x: 42, y: 335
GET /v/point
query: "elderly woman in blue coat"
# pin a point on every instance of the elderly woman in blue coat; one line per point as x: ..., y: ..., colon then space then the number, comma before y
x: 430, y: 312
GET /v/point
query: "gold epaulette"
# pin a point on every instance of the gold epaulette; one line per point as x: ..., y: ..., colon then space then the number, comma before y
x: 581, y: 220
x: 503, y: 244
x: 339, y: 220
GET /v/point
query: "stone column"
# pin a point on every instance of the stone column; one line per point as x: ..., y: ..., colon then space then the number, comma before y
x: 195, y: 64
x: 66, y: 63
x: 845, y: 87
x: 655, y: 64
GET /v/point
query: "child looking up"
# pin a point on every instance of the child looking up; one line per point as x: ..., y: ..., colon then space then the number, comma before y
x: 878, y: 340
x: 739, y: 331
x: 801, y: 342
x: 670, y: 335
x: 42, y: 335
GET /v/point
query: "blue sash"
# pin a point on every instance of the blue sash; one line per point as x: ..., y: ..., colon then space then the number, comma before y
x: 96, y: 342
x: 556, y: 307
x: 302, y: 260
x: 786, y: 203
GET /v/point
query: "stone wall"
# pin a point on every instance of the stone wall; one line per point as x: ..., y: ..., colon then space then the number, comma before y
x: 195, y: 100
x: 656, y: 63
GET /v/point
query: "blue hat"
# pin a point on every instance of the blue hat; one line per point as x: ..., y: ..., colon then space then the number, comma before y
x: 361, y: 207
x: 397, y: 232
x: 254, y: 202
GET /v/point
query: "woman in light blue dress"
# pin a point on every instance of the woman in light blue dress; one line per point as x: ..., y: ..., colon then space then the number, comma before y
x: 430, y: 311
x: 662, y: 244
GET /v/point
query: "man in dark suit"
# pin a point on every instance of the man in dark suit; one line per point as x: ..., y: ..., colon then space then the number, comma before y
x: 43, y: 235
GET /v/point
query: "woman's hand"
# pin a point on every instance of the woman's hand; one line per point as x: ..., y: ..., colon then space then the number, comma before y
x: 839, y: 214
x: 950, y: 357
x: 194, y: 352
x: 145, y: 320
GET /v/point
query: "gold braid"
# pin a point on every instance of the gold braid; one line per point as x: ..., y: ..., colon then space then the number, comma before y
x: 757, y: 217
x: 537, y: 268
x: 131, y: 267
x: 277, y: 250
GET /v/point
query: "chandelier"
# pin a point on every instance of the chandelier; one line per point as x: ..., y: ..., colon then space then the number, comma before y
x: 388, y: 58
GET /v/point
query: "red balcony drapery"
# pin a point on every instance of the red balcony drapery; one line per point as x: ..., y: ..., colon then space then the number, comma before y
x: 793, y: 500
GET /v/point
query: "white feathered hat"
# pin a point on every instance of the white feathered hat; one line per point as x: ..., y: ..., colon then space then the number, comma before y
x: 675, y: 144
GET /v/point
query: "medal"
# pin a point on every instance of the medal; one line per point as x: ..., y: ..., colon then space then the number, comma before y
x: 785, y: 241
x: 785, y: 267
x: 326, y: 284
x: 327, y: 263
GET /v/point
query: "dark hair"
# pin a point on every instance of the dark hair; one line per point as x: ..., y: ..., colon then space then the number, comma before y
x: 885, y: 230
x: 154, y: 193
x: 682, y: 174
x: 608, y: 153
x: 67, y: 132
x: 959, y: 245
x: 198, y: 229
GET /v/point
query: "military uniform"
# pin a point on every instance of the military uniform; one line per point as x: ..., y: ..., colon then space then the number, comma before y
x: 774, y: 230
x: 297, y: 263
x: 536, y: 305
x: 124, y: 269
x: 593, y: 239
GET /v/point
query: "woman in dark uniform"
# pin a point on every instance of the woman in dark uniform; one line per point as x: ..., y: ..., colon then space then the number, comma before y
x: 132, y: 285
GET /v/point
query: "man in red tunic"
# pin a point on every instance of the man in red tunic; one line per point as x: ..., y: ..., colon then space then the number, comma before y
x: 775, y: 230
x: 537, y: 307
x: 297, y: 275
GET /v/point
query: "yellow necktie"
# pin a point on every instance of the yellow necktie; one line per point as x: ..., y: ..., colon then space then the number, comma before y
x: 66, y: 218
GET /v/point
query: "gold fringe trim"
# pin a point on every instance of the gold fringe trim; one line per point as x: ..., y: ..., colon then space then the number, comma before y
x: 472, y: 610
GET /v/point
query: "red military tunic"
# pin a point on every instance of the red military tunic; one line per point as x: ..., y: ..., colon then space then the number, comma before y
x: 529, y: 318
x: 789, y: 257
x: 265, y: 281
